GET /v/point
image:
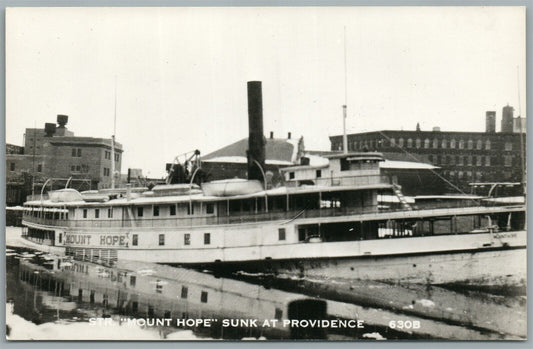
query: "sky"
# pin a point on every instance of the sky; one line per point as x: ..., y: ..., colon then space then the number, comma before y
x: 179, y: 75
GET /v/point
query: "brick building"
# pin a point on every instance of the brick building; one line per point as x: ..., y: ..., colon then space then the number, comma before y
x: 54, y: 152
x: 464, y: 157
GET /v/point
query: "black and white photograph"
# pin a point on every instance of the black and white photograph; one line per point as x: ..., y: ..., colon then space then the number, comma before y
x: 266, y: 173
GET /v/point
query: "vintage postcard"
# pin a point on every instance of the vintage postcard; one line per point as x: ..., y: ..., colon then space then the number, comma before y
x: 266, y: 173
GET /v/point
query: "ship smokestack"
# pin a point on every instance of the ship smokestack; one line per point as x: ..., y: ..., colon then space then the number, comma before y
x: 256, y: 141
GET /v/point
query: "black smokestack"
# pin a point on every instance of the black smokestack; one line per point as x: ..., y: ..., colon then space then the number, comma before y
x: 256, y: 142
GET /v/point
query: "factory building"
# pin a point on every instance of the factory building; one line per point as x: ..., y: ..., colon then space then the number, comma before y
x: 55, y: 153
x: 467, y: 159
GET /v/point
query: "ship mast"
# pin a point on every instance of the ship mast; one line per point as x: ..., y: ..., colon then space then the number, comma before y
x: 345, y: 106
x: 113, y: 140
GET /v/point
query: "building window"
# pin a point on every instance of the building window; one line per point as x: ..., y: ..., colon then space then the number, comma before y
x: 173, y: 210
x: 97, y: 213
x: 444, y: 144
x: 184, y: 291
x: 110, y: 212
x: 210, y: 208
x: 156, y: 211
x: 508, y: 161
x: 469, y: 159
x: 281, y: 233
x: 452, y: 160
x: 460, y: 174
x: 435, y: 143
x: 430, y: 158
x: 73, y: 152
x: 508, y: 146
x: 39, y: 168
x: 318, y: 173
x: 187, y: 239
x: 461, y: 144
x: 479, y: 160
x: 418, y: 143
x: 291, y: 175
x: 461, y: 161
x: 426, y: 143
x: 134, y: 240
x: 400, y: 142
x: 117, y: 157
x: 140, y: 211
x: 479, y: 144
x: 203, y: 297
x: 133, y: 280
x: 487, y: 145
x: 207, y: 238
x: 84, y: 213
x: 78, y: 168
x: 452, y: 144
x: 409, y: 143
x: 487, y: 160
x: 470, y: 144
x: 79, y: 152
x: 161, y: 239
x: 392, y: 142
x: 12, y: 166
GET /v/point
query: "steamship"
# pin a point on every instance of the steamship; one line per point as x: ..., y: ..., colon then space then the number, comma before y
x: 325, y: 222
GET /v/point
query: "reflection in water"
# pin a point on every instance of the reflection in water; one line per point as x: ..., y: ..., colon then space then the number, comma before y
x: 55, y: 298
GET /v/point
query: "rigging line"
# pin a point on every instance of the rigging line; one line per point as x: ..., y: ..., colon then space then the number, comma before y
x: 434, y: 172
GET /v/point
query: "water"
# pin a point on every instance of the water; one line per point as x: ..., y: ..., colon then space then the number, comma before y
x: 58, y: 298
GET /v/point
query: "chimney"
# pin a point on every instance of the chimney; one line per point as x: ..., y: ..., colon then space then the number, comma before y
x: 490, y: 122
x: 507, y: 119
x: 289, y: 135
x: 256, y: 142
x: 62, y: 120
x: 271, y: 135
x: 49, y: 129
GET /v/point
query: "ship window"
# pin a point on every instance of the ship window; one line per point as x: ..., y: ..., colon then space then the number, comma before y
x: 318, y: 173
x: 281, y: 233
x: 210, y: 208
x: 139, y: 212
x: 291, y: 175
x: 134, y: 240
x: 161, y: 239
x: 187, y: 239
x: 172, y: 210
x: 79, y: 152
x: 203, y: 297
x: 133, y: 280
x: 39, y: 168
x: 109, y: 213
x: 345, y: 165
x: 156, y: 211
x: 97, y: 213
x: 84, y: 213
x: 60, y: 238
x: 158, y: 287
x: 184, y: 291
x: 12, y: 166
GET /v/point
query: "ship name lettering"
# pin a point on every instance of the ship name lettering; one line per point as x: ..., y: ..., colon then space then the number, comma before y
x: 77, y: 239
x: 113, y: 240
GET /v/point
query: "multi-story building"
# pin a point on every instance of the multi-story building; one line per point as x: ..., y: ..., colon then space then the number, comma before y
x: 55, y: 153
x: 464, y: 157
